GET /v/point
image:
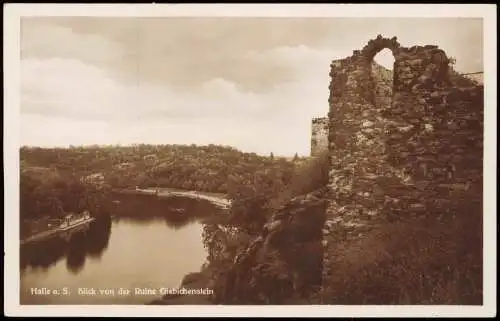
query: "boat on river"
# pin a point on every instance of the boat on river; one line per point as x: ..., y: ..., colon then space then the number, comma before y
x: 73, y: 220
x: 69, y: 222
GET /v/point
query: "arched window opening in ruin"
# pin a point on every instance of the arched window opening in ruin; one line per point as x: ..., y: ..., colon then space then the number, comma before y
x: 382, y: 72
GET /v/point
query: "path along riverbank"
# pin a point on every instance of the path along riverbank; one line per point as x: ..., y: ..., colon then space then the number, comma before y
x: 220, y: 201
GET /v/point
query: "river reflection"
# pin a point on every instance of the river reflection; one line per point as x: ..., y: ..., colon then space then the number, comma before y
x: 142, y: 243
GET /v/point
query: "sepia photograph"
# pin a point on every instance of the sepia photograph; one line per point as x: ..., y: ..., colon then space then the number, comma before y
x: 207, y: 157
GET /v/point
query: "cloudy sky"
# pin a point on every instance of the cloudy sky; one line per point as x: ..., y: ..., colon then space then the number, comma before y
x: 252, y: 83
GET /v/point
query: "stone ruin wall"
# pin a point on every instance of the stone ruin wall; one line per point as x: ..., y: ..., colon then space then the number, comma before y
x: 383, y: 83
x: 417, y: 154
x: 383, y: 95
x: 319, y: 136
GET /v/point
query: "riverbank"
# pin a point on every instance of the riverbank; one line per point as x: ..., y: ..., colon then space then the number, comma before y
x: 214, y: 198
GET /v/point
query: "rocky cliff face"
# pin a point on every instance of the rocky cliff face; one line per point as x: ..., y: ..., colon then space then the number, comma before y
x: 284, y: 263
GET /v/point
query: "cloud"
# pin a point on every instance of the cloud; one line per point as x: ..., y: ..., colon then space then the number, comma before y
x: 67, y: 87
x: 89, y: 105
x: 72, y: 88
x: 303, y: 61
x: 47, y: 40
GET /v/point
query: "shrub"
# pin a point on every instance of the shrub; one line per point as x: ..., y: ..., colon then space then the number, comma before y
x: 414, y: 262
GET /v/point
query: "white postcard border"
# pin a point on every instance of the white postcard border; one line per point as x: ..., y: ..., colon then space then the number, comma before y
x: 12, y: 15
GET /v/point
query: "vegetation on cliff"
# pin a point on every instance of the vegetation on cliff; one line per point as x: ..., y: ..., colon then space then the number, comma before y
x: 415, y: 261
x: 269, y: 252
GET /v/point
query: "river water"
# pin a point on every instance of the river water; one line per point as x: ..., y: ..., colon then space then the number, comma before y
x: 145, y: 246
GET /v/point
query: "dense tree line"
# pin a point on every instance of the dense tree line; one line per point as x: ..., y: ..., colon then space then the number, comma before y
x: 209, y: 168
x: 58, y: 180
x: 48, y: 193
x: 255, y: 201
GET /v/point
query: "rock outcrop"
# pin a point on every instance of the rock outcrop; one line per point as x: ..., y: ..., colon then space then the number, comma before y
x: 284, y: 262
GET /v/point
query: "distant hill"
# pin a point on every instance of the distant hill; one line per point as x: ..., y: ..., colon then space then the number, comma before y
x: 209, y: 168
